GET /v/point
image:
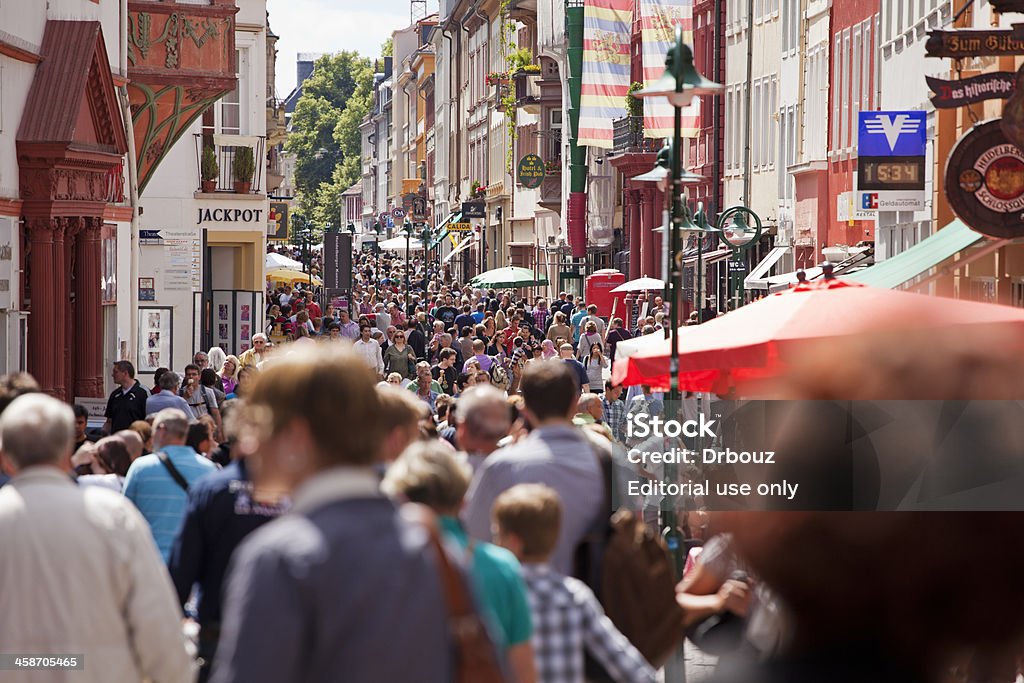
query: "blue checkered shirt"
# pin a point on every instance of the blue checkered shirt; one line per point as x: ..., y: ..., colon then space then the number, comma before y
x: 568, y: 619
x: 615, y: 417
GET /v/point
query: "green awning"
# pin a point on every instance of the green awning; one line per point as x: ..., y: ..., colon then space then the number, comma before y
x: 918, y: 259
x: 443, y: 229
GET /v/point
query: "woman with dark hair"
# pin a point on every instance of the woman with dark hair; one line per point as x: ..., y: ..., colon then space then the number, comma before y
x: 110, y: 463
x: 246, y: 376
x: 200, y: 438
x: 157, y: 374
x: 209, y: 378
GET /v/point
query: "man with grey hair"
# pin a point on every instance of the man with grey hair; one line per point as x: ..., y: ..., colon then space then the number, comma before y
x: 168, y: 396
x: 482, y: 420
x: 158, y: 483
x: 84, y: 554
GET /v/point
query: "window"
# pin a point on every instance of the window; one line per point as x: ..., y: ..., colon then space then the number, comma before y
x: 844, y: 134
x: 837, y: 88
x: 108, y: 236
x: 790, y: 26
x: 855, y: 74
x: 773, y: 120
x: 757, y: 126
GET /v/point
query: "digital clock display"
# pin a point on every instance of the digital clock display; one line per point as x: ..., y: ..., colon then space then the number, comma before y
x: 890, y: 173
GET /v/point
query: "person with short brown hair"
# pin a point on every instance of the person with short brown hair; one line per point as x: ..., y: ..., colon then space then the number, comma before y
x: 555, y: 452
x: 361, y: 567
x: 568, y: 620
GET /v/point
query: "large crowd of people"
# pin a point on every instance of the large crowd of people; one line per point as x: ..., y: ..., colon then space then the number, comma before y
x: 413, y: 492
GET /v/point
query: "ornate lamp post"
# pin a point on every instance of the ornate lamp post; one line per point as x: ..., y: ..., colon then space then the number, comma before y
x: 407, y: 227
x: 740, y: 234
x: 680, y: 83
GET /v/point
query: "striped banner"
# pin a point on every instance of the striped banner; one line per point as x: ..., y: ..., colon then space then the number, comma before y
x: 658, y: 19
x: 607, y: 25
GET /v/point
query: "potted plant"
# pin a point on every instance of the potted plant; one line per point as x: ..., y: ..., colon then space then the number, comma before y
x: 497, y: 78
x: 242, y: 168
x: 477, y: 189
x: 209, y: 170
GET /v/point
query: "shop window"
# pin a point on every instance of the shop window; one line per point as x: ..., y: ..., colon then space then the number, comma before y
x: 108, y: 245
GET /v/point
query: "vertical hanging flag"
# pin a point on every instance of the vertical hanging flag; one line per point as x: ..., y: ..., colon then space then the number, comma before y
x: 658, y: 19
x: 607, y: 25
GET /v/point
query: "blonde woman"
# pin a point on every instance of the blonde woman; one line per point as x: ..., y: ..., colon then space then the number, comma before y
x: 229, y: 373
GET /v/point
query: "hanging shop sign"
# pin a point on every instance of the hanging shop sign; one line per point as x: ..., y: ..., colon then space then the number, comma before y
x: 959, y: 43
x: 985, y: 181
x: 530, y: 171
x: 953, y: 94
x: 474, y: 210
x: 277, y: 221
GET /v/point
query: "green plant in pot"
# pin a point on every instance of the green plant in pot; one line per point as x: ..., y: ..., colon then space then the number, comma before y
x: 209, y: 170
x: 243, y: 168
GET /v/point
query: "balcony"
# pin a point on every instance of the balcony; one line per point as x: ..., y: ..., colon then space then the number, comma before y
x: 226, y: 149
x: 527, y: 92
x: 628, y: 136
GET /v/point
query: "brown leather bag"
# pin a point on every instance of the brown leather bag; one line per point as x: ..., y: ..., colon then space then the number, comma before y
x: 476, y: 659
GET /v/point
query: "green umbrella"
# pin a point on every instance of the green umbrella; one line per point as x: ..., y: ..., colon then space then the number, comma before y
x: 509, y: 276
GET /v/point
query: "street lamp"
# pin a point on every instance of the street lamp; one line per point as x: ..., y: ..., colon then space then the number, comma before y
x: 680, y: 83
x: 738, y: 233
x: 425, y: 237
x: 407, y: 227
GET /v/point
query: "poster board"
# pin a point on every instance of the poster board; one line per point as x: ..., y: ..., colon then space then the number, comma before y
x: 156, y: 338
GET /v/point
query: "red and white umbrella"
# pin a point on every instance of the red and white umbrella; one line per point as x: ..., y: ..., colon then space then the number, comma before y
x: 763, y: 339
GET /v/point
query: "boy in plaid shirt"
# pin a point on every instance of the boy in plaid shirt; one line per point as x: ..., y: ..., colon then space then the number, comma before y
x: 567, y: 618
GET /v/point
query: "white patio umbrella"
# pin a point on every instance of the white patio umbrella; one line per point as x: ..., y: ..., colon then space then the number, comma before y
x: 275, y: 260
x: 641, y: 284
x: 398, y: 244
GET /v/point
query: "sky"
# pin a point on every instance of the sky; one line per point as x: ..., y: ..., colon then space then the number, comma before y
x: 332, y: 26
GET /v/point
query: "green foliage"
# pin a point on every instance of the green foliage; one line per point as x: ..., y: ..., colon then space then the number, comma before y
x: 507, y: 98
x: 387, y: 48
x: 244, y: 165
x: 325, y: 131
x: 634, y: 105
x: 209, y: 169
x: 519, y: 59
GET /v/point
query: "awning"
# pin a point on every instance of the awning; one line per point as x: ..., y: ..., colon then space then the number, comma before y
x: 708, y: 257
x: 442, y: 228
x: 855, y: 264
x: 758, y: 278
x: 463, y: 245
x: 918, y: 259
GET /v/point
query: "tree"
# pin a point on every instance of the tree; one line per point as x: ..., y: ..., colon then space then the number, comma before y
x: 387, y: 48
x: 325, y: 132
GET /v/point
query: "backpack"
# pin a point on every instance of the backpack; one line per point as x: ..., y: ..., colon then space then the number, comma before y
x: 499, y: 375
x: 476, y: 659
x: 629, y: 568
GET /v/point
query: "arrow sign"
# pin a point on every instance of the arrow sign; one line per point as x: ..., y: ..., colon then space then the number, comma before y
x: 150, y: 235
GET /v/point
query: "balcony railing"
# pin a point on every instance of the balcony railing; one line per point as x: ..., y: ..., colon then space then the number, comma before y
x: 628, y: 136
x: 225, y: 149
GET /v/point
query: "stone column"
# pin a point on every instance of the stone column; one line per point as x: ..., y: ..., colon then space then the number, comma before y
x: 88, y: 323
x: 72, y: 226
x: 633, y: 225
x: 46, y: 321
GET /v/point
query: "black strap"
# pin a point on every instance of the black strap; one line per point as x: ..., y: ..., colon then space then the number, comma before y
x: 175, y: 474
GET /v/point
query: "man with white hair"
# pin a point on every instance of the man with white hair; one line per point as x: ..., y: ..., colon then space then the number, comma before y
x: 254, y: 355
x: 158, y: 483
x: 482, y: 419
x: 79, y: 563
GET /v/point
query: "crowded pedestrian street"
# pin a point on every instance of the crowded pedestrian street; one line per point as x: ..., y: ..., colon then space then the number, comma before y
x: 511, y: 341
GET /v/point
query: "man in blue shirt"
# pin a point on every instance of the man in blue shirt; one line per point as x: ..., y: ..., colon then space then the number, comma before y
x: 168, y: 396
x: 222, y: 511
x: 582, y: 380
x: 577, y: 320
x: 152, y: 487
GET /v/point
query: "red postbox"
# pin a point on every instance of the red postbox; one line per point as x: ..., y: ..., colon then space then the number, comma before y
x: 598, y: 288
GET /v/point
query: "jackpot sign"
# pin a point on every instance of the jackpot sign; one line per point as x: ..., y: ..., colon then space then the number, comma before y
x: 985, y: 182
